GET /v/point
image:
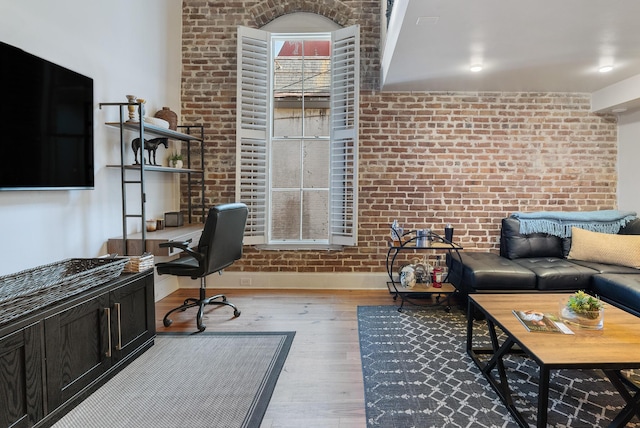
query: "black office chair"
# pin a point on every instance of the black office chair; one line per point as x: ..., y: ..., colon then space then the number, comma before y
x: 220, y: 245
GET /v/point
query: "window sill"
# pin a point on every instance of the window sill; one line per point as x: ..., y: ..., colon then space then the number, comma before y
x: 299, y: 247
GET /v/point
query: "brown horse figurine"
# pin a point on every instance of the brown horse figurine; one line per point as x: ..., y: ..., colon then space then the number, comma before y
x: 150, y: 146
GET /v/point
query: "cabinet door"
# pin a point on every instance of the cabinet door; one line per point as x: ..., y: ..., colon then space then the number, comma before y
x: 133, y: 320
x: 77, y: 348
x: 21, y: 390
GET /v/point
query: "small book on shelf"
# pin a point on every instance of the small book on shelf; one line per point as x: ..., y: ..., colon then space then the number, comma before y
x: 537, y: 321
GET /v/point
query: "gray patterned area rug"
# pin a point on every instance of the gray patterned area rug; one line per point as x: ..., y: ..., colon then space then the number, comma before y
x: 201, y: 380
x: 417, y: 374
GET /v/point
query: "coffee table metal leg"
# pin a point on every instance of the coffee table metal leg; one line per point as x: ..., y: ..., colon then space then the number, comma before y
x: 633, y: 402
x: 470, y: 307
x: 543, y: 396
x: 497, y: 353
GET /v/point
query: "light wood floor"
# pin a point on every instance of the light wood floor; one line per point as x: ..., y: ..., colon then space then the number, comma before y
x: 321, y: 383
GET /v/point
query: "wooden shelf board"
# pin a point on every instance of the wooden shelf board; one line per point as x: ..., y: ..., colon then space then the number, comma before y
x: 159, y: 168
x: 155, y: 130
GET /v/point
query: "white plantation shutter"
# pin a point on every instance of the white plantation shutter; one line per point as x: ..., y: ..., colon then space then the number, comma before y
x: 252, y: 130
x: 345, y: 84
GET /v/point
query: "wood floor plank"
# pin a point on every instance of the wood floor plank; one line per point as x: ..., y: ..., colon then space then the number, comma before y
x: 321, y: 382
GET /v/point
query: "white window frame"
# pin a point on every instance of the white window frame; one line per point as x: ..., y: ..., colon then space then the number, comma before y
x: 253, y: 134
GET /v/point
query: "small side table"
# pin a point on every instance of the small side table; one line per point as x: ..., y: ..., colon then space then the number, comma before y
x: 420, y: 290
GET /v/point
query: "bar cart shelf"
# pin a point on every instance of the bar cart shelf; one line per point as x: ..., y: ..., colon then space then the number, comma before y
x: 408, y: 243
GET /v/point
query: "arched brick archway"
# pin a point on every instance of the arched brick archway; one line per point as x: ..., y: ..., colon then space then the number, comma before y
x: 268, y: 10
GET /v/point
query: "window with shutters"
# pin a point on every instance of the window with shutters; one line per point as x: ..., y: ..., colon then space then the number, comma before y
x: 297, y: 130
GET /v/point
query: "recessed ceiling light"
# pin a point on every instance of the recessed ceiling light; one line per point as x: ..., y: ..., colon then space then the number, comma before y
x: 605, y: 68
x: 475, y: 68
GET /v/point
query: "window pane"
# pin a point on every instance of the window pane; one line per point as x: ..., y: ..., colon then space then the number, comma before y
x: 302, y: 84
x: 316, y: 122
x: 287, y: 88
x: 285, y: 164
x: 290, y: 120
x: 285, y: 211
x: 315, y: 220
x: 317, y: 69
x: 317, y: 87
x: 316, y: 164
x: 287, y: 121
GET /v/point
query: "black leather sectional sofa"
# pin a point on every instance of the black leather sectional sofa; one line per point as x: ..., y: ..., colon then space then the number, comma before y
x: 538, y: 262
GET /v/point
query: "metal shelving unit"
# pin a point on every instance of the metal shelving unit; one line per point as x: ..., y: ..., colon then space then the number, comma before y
x: 142, y: 130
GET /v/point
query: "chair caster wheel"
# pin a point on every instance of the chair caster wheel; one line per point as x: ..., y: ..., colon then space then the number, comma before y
x: 236, y: 313
x: 167, y: 322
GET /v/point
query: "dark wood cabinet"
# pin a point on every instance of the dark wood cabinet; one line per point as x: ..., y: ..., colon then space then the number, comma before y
x: 70, y: 349
x: 132, y: 318
x: 21, y: 377
x: 76, y: 345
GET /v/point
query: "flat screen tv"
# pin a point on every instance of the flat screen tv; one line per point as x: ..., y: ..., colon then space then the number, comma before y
x: 46, y: 117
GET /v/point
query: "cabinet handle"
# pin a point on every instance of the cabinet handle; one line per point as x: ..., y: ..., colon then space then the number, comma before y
x: 108, y: 312
x: 116, y: 306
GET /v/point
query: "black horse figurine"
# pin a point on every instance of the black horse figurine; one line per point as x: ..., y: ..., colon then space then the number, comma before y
x: 150, y: 146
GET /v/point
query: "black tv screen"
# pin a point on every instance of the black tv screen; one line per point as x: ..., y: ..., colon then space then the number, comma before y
x: 46, y: 112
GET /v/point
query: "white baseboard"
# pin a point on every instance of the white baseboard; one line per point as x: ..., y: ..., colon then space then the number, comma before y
x: 280, y: 280
x: 164, y: 285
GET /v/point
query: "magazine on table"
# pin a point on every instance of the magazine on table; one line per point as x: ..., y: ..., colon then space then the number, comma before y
x: 537, y: 321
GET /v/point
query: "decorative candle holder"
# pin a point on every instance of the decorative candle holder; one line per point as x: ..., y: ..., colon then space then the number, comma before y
x: 131, y: 108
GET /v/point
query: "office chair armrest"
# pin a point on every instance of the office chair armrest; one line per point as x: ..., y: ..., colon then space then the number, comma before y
x: 184, y: 246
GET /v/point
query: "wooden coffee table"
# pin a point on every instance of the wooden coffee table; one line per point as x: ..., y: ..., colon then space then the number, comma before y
x: 614, y: 348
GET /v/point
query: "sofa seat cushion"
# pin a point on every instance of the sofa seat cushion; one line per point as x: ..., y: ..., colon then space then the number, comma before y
x: 621, y: 289
x: 489, y: 271
x: 606, y: 268
x: 553, y: 273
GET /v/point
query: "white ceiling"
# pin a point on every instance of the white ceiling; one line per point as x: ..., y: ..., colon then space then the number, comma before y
x: 534, y: 45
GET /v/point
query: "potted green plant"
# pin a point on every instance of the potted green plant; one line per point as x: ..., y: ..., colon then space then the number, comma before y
x: 584, y: 310
x: 175, y: 160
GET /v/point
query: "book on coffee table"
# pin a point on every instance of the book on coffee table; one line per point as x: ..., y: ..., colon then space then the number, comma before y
x: 537, y: 321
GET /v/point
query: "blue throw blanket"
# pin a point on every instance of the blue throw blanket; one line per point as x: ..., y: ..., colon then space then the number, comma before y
x: 560, y: 223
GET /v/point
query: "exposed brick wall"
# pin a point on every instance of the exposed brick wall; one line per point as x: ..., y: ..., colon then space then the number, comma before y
x: 427, y: 159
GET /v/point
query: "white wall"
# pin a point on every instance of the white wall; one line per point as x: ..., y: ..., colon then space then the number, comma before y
x: 127, y: 47
x: 628, y: 156
x: 624, y: 97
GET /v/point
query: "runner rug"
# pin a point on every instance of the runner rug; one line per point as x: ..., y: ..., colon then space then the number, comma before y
x: 417, y: 374
x: 201, y: 380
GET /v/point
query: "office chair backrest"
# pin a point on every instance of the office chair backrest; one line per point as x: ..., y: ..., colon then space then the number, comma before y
x: 221, y: 239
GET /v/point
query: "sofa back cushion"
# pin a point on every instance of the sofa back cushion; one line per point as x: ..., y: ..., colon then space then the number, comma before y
x: 615, y: 249
x: 631, y: 228
x: 514, y: 245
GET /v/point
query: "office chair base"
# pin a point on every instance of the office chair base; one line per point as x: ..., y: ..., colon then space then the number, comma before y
x: 200, y: 304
